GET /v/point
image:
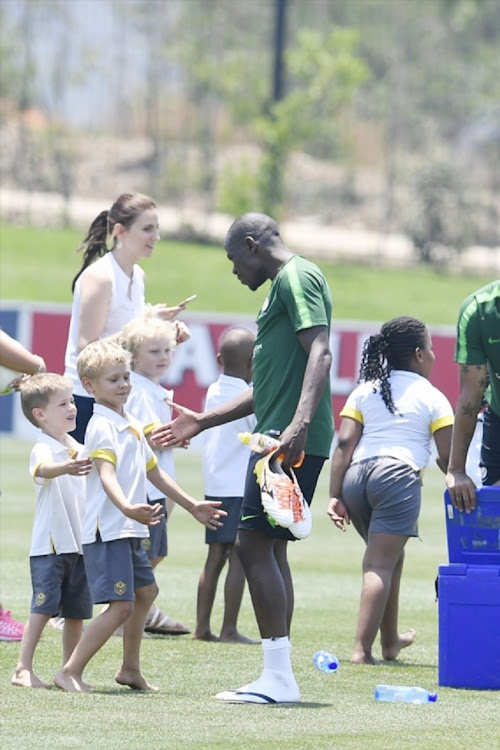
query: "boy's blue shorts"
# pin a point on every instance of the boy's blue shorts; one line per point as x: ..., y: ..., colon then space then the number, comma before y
x: 116, y: 569
x: 225, y: 534
x: 156, y: 545
x: 60, y: 586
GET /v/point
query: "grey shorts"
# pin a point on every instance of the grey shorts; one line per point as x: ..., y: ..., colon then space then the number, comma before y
x: 382, y: 495
x: 225, y: 534
x: 116, y: 569
x: 156, y: 545
x: 60, y: 586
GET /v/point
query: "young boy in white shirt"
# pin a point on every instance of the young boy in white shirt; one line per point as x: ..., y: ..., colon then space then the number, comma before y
x: 56, y: 561
x: 116, y: 518
x: 151, y: 342
x: 225, y: 461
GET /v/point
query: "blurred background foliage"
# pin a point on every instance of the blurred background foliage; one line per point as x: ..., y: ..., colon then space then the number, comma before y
x: 375, y: 114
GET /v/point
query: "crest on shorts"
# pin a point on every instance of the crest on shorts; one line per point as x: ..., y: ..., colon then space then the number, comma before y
x: 146, y: 544
x: 120, y: 587
x: 40, y: 599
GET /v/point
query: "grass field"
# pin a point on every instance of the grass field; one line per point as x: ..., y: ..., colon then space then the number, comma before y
x: 336, y: 711
x: 38, y: 265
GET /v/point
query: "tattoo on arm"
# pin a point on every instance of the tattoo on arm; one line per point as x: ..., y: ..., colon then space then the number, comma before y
x: 469, y: 410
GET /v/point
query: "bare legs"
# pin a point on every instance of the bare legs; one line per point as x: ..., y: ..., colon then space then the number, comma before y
x: 217, y: 556
x: 130, y: 614
x: 378, y: 610
x: 24, y: 675
x: 266, y: 567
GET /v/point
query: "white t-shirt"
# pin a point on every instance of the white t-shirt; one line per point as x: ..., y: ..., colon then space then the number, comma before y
x: 225, y: 458
x: 119, y: 440
x: 147, y: 402
x: 60, y: 502
x: 421, y: 410
x: 122, y: 309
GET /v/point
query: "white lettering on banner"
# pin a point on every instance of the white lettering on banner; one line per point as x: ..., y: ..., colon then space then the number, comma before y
x: 196, y: 354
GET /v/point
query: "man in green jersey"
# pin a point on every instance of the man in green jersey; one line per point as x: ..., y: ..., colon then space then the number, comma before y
x: 478, y: 355
x: 292, y: 402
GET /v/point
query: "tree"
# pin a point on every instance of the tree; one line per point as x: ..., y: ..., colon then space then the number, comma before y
x: 323, y: 74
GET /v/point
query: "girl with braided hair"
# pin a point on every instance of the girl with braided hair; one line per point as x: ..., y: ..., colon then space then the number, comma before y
x: 383, y: 445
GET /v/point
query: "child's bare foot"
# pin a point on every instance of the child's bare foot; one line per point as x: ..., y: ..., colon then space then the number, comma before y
x: 71, y: 683
x: 206, y: 636
x: 391, y: 651
x: 133, y: 679
x: 235, y: 637
x: 25, y: 678
x: 359, y: 657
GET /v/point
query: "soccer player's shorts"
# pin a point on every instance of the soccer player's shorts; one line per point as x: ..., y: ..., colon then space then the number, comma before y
x: 116, y: 569
x: 254, y: 518
x: 60, y: 586
x: 225, y: 534
x: 490, y: 449
x: 382, y: 495
x: 156, y: 545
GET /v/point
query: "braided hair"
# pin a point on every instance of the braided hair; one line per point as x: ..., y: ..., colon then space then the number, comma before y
x: 391, y: 349
x: 125, y: 211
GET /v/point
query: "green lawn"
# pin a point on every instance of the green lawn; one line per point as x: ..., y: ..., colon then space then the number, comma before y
x: 38, y: 265
x: 337, y: 711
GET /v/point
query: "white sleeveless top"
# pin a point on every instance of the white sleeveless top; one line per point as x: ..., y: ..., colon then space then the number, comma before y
x: 122, y: 309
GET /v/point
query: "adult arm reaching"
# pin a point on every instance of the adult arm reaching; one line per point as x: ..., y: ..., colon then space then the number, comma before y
x: 473, y: 382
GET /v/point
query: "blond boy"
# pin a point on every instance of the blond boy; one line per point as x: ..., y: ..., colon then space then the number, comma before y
x: 151, y: 342
x: 56, y: 562
x: 116, y: 518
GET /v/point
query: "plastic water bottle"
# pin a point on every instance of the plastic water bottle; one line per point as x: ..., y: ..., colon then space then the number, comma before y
x: 258, y: 442
x: 326, y: 662
x: 404, y: 694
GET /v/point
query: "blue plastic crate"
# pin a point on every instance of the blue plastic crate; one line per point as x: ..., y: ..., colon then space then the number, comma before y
x: 474, y: 538
x: 469, y: 626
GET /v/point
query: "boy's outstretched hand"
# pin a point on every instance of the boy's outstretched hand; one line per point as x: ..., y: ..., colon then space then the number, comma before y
x: 209, y: 514
x: 149, y: 515
x: 79, y: 467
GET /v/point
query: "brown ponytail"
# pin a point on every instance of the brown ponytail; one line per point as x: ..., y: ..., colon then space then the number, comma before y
x: 94, y: 244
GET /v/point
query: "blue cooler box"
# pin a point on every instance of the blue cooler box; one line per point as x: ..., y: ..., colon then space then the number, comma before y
x: 474, y: 538
x: 469, y: 626
x: 469, y: 596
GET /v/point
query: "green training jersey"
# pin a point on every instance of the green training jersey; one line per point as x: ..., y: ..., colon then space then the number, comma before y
x: 299, y: 298
x: 478, y: 336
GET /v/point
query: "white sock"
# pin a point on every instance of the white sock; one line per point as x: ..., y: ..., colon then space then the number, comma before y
x: 277, y: 680
x: 277, y: 655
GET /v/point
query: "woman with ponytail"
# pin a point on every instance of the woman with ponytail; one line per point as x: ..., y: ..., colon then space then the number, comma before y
x: 383, y: 445
x: 108, y: 293
x: 108, y: 290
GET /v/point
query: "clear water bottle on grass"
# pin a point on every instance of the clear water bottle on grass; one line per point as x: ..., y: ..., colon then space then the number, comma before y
x: 326, y: 662
x: 404, y: 694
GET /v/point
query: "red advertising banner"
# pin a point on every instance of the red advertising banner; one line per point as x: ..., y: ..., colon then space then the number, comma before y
x: 195, y: 366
